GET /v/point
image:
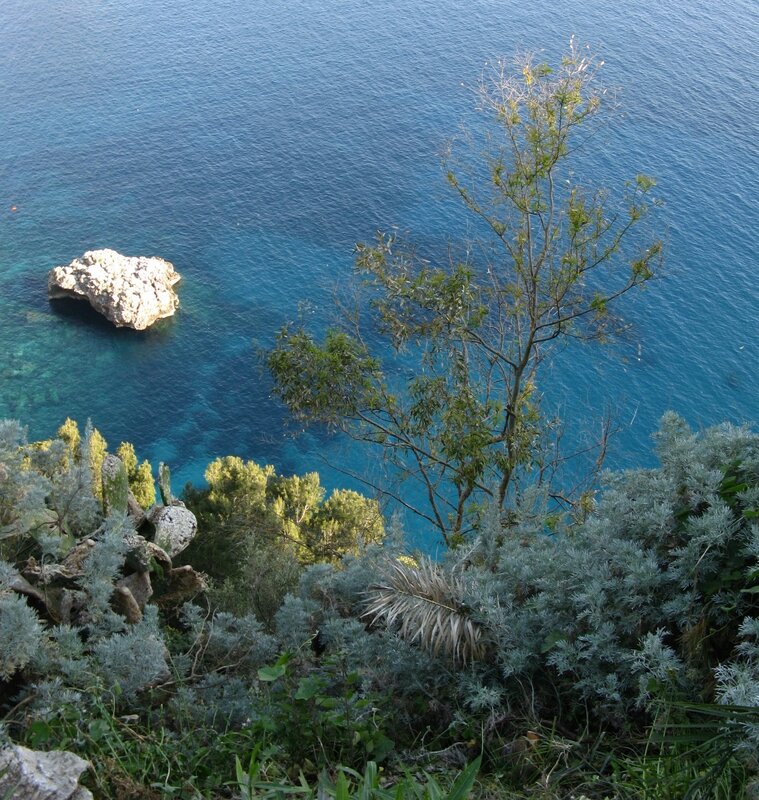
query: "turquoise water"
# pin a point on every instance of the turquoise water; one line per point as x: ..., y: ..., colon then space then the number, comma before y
x: 252, y: 144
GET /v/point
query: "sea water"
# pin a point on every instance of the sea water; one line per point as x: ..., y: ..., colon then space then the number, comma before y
x: 254, y: 143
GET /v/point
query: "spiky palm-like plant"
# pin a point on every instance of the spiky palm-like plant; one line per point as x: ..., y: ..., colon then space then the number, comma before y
x: 426, y: 606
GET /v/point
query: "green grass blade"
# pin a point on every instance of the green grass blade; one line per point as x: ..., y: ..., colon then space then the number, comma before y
x: 462, y: 786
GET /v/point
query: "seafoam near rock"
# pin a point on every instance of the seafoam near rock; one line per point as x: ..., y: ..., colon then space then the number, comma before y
x: 130, y: 291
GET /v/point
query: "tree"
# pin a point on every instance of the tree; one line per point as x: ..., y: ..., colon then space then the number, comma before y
x: 69, y: 433
x: 96, y: 449
x: 550, y: 262
x: 143, y: 485
x: 140, y: 476
x: 258, y: 529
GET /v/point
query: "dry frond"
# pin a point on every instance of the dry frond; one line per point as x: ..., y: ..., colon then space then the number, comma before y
x: 425, y: 605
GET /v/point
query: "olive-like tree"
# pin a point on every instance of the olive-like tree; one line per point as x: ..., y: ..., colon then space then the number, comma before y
x: 551, y: 259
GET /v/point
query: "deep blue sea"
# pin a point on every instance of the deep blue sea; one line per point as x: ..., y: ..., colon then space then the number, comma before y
x: 253, y: 143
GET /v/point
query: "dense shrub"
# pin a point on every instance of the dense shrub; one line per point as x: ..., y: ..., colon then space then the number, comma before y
x: 257, y: 529
x: 654, y: 595
x: 532, y: 640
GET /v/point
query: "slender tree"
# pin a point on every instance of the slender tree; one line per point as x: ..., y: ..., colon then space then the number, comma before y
x: 551, y: 260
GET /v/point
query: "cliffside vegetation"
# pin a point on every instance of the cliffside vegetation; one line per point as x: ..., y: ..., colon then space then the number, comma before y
x: 615, y: 657
x: 260, y: 639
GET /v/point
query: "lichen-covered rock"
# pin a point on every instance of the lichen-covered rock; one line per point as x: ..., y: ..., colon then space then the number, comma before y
x: 57, y: 591
x: 164, y: 484
x: 175, y: 527
x: 31, y: 775
x: 159, y: 558
x: 130, y: 291
x: 74, y: 562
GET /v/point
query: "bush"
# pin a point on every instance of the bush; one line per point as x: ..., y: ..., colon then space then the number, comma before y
x: 598, y: 644
x: 653, y: 596
x: 257, y: 529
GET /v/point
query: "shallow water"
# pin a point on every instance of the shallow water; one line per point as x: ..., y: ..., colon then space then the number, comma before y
x: 253, y: 144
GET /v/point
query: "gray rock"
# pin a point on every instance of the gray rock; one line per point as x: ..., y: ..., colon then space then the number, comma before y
x: 175, y: 527
x: 31, y: 775
x: 144, y: 555
x: 183, y: 583
x: 159, y: 556
x: 135, y: 511
x: 123, y: 603
x: 164, y: 484
x: 139, y: 586
x: 74, y: 562
x: 131, y: 292
x: 22, y: 586
x: 111, y: 466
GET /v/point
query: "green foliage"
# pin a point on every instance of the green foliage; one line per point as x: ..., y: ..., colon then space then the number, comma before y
x: 332, y: 381
x: 141, y: 756
x: 344, y: 520
x: 649, y: 599
x: 324, y: 713
x: 126, y: 453
x: 690, y: 754
x: 234, y: 483
x: 143, y: 485
x: 265, y: 572
x: 257, y: 528
x: 69, y: 433
x: 348, y: 784
x: 457, y: 412
x: 96, y: 449
x: 140, y: 476
x: 631, y: 632
x: 116, y: 489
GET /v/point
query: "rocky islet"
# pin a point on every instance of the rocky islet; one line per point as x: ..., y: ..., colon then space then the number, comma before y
x: 130, y: 291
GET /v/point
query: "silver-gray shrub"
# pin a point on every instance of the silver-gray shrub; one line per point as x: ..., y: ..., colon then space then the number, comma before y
x: 626, y: 604
x: 133, y: 659
x: 328, y: 613
x: 643, y: 599
x: 738, y: 682
x: 22, y: 493
x: 46, y: 508
x: 21, y: 634
x: 224, y: 642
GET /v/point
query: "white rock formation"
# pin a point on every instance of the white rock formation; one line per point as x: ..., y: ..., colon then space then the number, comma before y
x: 31, y: 775
x: 175, y: 527
x: 131, y: 292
